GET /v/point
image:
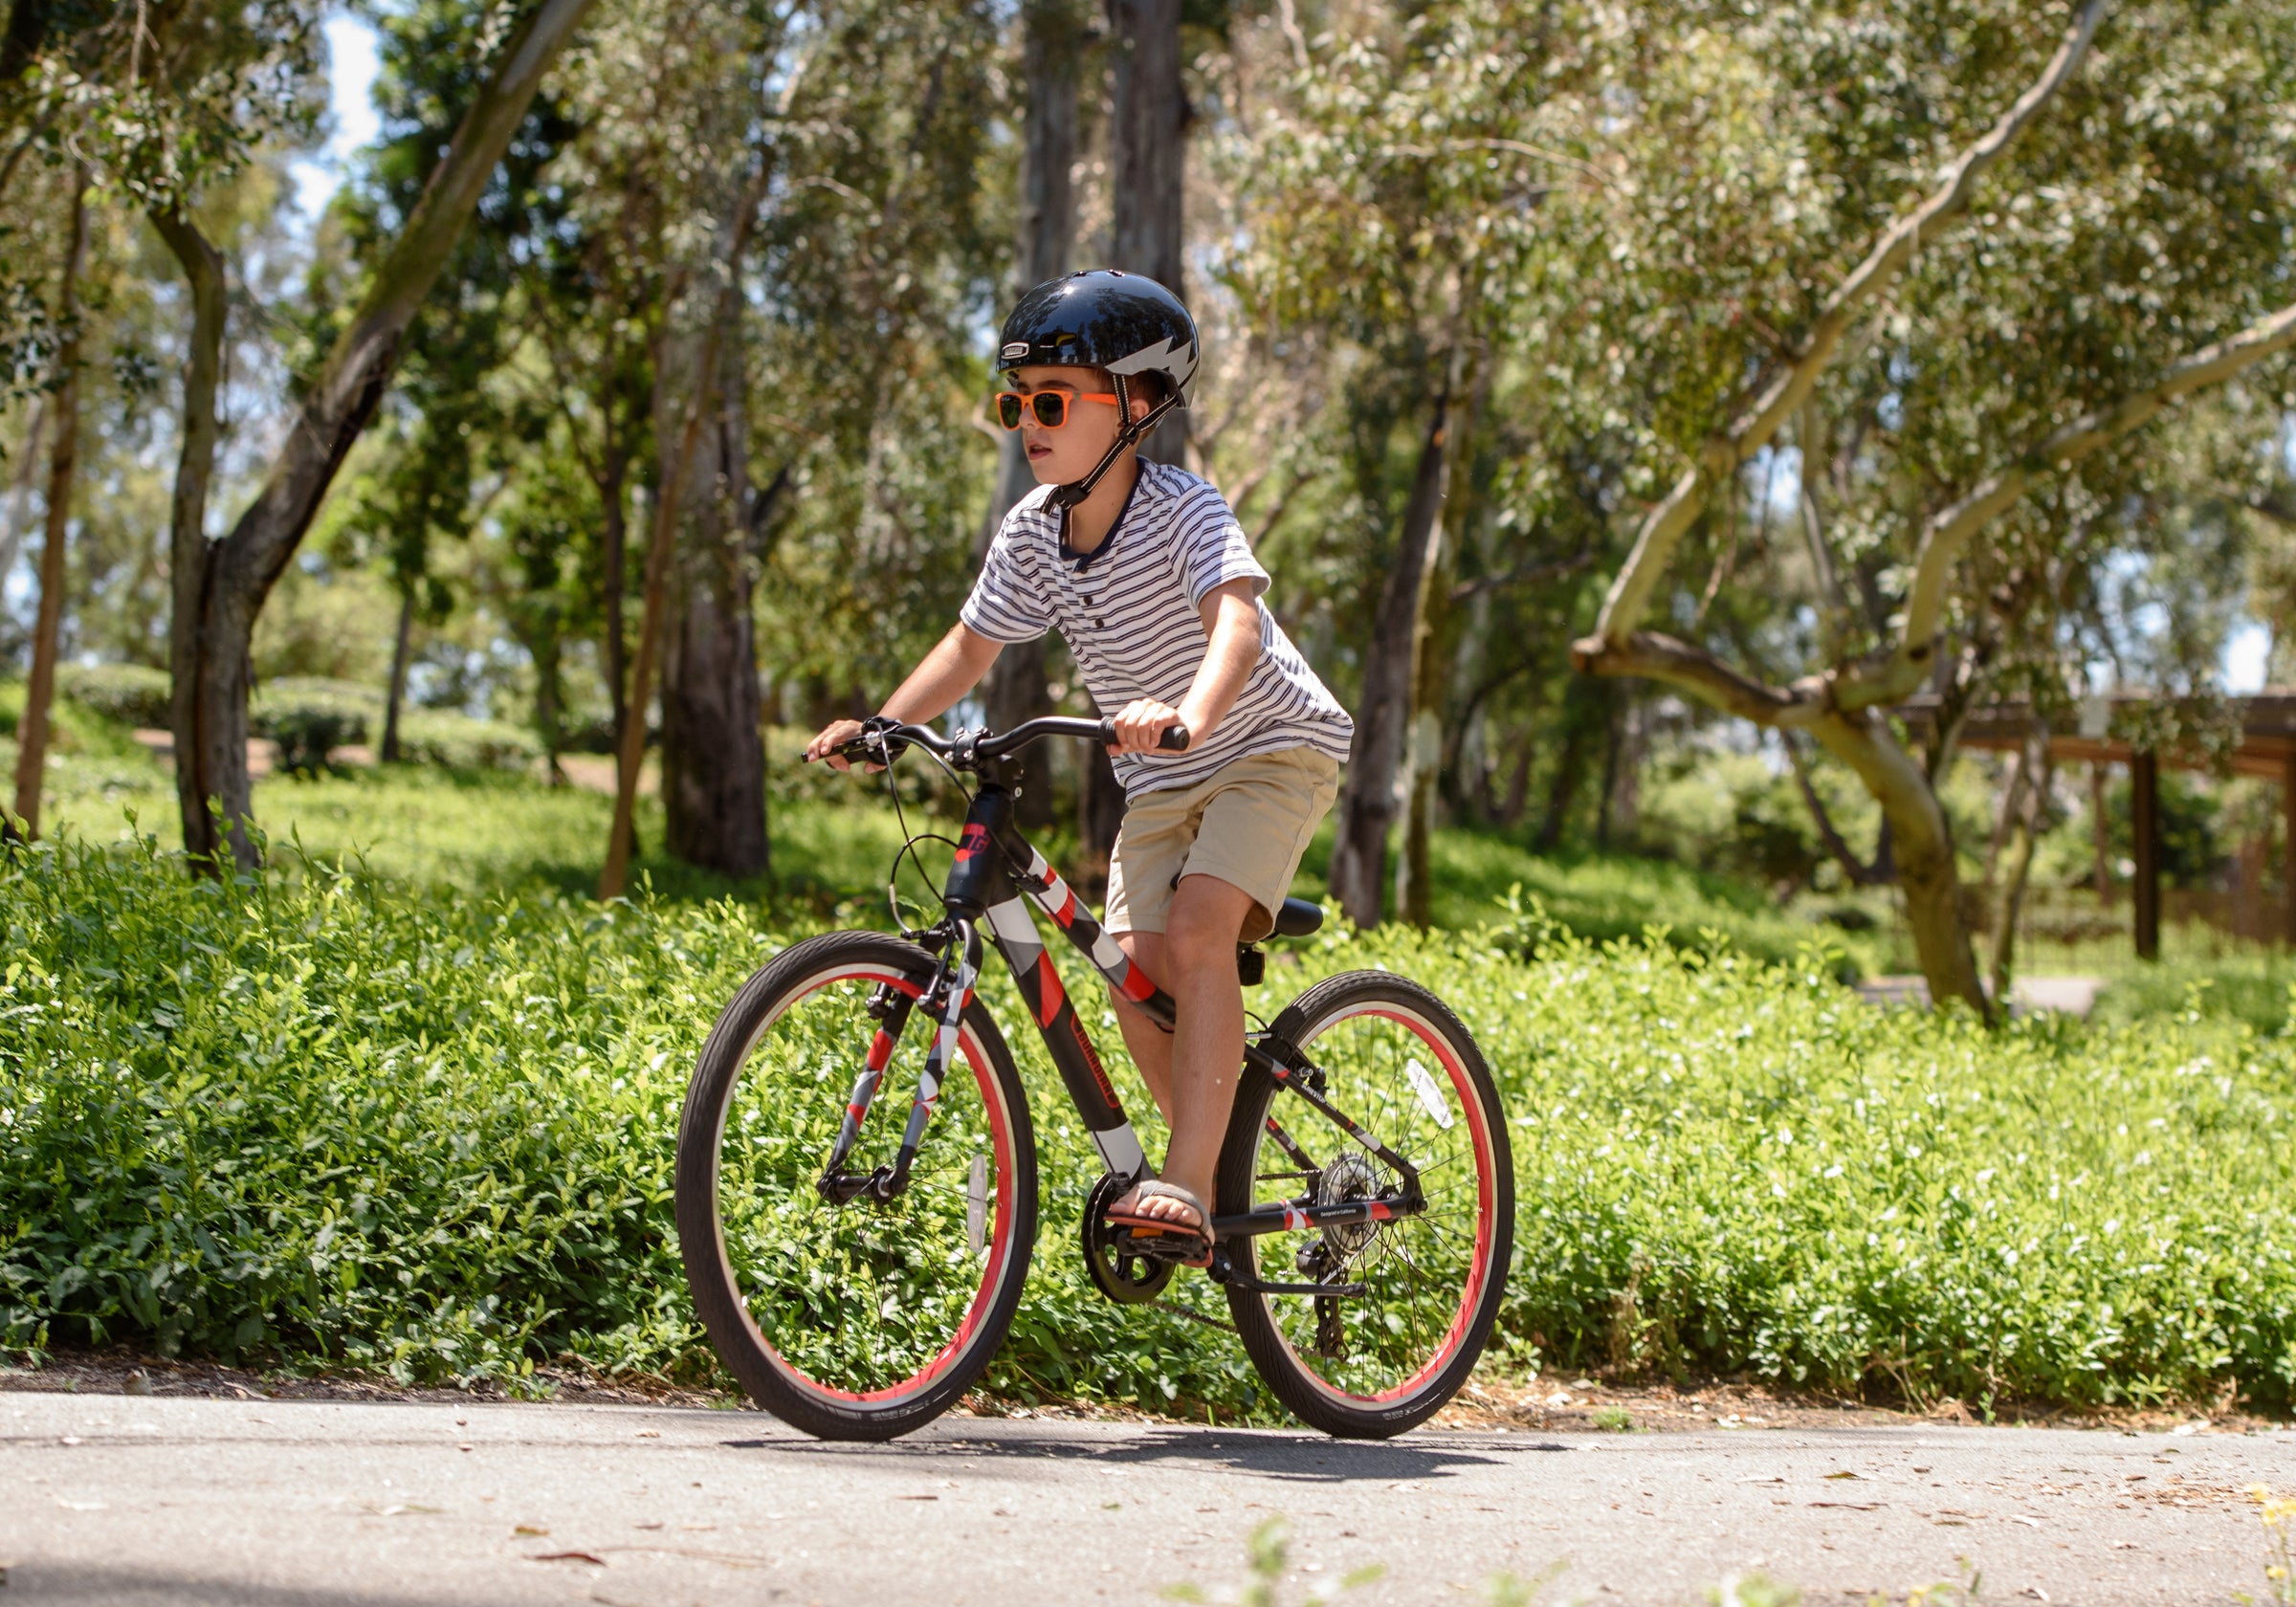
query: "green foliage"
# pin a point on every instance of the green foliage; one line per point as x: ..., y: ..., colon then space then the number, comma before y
x: 128, y: 694
x: 459, y: 742
x: 1753, y: 1589
x: 314, y: 1119
x: 309, y: 717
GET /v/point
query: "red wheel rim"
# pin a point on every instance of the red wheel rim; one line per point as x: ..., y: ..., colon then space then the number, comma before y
x: 1001, y: 1241
x: 1479, y: 1270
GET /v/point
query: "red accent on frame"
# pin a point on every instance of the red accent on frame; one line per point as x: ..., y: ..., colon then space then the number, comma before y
x: 974, y: 840
x: 1066, y: 914
x: 880, y: 1051
x: 856, y: 1112
x: 1139, y: 986
x: 1049, y: 996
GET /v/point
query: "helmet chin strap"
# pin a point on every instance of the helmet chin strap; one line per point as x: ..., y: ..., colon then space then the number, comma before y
x: 1134, y: 431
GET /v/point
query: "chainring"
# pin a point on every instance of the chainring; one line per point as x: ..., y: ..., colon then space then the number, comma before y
x: 1118, y: 1271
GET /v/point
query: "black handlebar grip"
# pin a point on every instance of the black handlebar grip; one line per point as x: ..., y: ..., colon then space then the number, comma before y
x: 1174, y: 739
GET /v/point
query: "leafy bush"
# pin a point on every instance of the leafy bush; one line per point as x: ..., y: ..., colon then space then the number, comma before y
x: 459, y: 742
x: 310, y: 717
x: 128, y: 694
x: 317, y: 1119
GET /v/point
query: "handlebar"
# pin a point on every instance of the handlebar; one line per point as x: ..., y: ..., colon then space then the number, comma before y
x: 968, y: 748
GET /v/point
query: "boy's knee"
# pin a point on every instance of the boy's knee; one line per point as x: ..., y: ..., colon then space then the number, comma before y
x: 1196, y: 946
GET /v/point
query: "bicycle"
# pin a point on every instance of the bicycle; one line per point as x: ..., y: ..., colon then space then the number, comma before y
x: 857, y: 1295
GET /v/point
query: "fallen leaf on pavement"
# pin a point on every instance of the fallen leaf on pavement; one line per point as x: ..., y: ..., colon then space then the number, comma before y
x: 570, y: 1557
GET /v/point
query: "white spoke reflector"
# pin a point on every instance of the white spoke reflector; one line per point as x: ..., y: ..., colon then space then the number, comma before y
x: 976, y: 1204
x: 1428, y: 1093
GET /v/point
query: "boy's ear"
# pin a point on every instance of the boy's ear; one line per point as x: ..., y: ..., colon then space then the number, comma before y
x: 1137, y: 405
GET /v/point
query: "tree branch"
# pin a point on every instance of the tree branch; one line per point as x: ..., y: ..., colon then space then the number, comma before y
x: 1704, y: 677
x: 1663, y: 530
x: 1524, y: 574
x: 1892, y: 676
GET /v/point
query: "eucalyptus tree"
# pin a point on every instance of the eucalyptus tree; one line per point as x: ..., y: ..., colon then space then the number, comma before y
x: 223, y: 594
x: 150, y: 106
x: 829, y: 251
x: 2086, y: 291
x: 1399, y: 203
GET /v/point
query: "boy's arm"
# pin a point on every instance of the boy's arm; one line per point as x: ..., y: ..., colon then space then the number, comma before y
x: 952, y: 669
x: 1231, y: 625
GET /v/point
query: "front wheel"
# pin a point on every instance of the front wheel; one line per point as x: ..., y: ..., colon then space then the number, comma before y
x: 867, y: 1319
x: 1403, y: 1067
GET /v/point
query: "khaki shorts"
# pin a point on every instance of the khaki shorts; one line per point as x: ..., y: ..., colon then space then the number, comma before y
x: 1248, y: 824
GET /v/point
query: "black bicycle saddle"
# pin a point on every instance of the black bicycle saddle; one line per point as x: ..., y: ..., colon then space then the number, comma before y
x: 1299, y: 917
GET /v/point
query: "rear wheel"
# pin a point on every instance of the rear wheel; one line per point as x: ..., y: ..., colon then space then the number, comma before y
x: 865, y: 1320
x: 1397, y: 1062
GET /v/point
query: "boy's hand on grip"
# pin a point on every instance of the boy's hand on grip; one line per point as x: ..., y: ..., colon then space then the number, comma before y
x: 1140, y: 727
x: 831, y: 739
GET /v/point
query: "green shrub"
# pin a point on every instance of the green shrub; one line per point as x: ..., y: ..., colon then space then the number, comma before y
x: 317, y: 1119
x: 128, y: 694
x: 458, y: 742
x: 310, y: 717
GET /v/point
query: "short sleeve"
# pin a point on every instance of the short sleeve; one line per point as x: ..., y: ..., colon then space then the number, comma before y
x: 1006, y: 605
x: 1210, y: 545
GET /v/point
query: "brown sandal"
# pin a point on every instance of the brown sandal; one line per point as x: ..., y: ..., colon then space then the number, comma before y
x: 1196, y: 1240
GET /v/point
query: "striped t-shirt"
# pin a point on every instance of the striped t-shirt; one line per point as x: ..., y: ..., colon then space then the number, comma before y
x: 1128, y: 610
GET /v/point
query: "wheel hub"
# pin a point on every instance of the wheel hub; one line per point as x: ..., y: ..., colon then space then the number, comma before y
x: 1349, y: 1177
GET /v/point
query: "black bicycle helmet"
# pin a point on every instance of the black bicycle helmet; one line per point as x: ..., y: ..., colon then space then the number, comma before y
x: 1104, y: 318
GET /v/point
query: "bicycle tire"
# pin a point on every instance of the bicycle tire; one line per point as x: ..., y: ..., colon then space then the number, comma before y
x: 1404, y: 1349
x: 793, y: 1322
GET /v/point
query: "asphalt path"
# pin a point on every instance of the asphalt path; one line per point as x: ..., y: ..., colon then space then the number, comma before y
x: 263, y: 1503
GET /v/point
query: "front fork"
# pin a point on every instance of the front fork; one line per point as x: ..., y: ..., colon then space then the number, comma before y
x: 944, y: 999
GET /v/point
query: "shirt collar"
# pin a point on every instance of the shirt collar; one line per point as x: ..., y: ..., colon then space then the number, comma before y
x: 1080, y: 562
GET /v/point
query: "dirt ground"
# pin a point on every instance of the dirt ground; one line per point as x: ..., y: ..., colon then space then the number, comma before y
x: 1559, y: 1403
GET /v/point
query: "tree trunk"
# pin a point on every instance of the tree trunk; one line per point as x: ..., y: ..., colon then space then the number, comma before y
x: 39, y: 691
x: 1586, y: 709
x: 13, y: 520
x: 549, y: 701
x: 1367, y: 801
x: 1518, y: 783
x: 1431, y: 665
x: 713, y: 753
x: 703, y: 328
x: 395, y: 699
x: 1148, y: 148
x: 2035, y: 772
x: 247, y: 564
x: 613, y: 558
x: 1922, y: 844
x: 1051, y: 47
x: 621, y: 839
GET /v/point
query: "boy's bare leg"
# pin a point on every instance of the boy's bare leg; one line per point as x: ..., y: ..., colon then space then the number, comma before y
x: 1192, y: 1072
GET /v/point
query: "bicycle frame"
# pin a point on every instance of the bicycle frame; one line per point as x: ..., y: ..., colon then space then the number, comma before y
x: 997, y: 869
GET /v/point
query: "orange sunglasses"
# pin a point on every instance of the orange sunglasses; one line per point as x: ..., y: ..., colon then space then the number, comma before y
x: 1050, y: 407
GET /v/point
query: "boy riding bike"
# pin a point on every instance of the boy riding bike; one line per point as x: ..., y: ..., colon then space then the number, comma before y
x: 1147, y: 576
